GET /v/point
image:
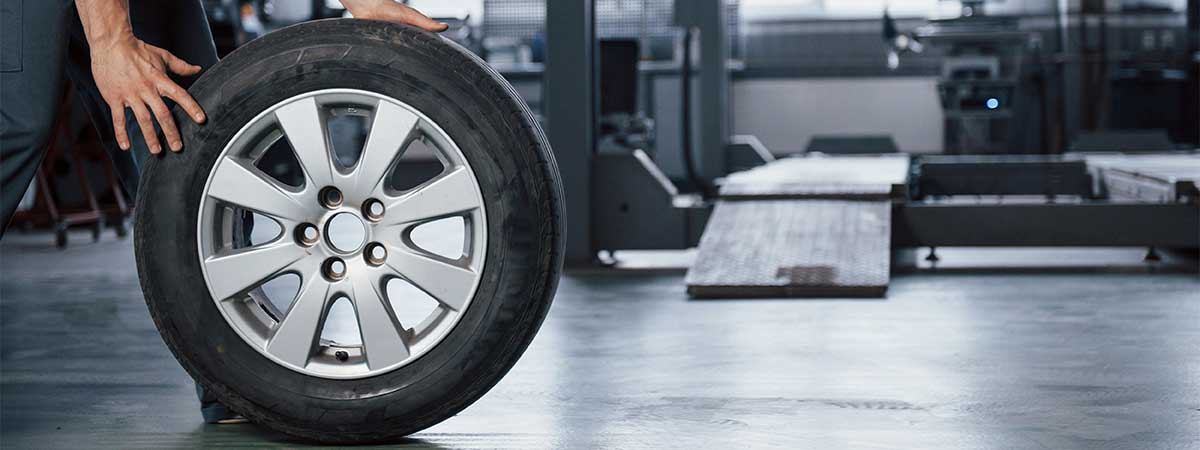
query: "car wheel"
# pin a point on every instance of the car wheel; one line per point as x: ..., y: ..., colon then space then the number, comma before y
x: 218, y: 231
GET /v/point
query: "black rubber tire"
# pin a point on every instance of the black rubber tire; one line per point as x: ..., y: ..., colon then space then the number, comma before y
x: 501, y: 141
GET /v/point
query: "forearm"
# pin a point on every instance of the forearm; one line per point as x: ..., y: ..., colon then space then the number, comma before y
x: 105, y: 22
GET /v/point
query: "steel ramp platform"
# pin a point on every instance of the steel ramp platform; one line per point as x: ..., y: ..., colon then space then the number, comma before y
x: 801, y: 227
x: 1151, y: 178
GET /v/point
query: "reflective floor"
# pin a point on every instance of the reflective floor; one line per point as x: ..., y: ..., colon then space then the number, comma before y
x: 1004, y: 359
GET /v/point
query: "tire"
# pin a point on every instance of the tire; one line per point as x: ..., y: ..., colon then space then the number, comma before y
x: 512, y: 165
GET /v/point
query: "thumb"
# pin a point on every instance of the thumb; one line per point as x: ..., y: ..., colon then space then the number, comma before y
x: 424, y: 22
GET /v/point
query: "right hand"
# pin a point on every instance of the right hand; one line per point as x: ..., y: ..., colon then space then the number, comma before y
x: 133, y: 74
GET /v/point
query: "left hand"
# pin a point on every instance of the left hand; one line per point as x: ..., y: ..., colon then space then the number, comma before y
x: 391, y: 11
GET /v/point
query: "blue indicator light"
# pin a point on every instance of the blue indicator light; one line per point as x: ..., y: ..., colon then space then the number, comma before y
x: 993, y: 103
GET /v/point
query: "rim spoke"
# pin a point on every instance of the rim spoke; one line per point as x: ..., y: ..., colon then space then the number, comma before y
x: 237, y: 271
x: 390, y: 131
x: 305, y: 130
x: 382, y: 335
x: 294, y: 337
x: 448, y: 195
x: 445, y: 282
x: 236, y: 182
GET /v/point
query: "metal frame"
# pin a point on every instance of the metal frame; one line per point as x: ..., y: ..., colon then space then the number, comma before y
x: 634, y: 195
x: 1100, y: 224
x: 571, y: 112
x: 1000, y: 175
x: 571, y: 109
x: 708, y: 17
x: 620, y: 201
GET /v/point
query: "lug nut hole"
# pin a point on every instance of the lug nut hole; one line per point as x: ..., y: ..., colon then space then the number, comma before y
x: 376, y: 254
x: 331, y: 197
x: 373, y: 210
x: 334, y: 269
x: 307, y: 234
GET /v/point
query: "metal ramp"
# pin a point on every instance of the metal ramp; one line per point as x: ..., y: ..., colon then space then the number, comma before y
x: 1153, y: 178
x: 802, y: 227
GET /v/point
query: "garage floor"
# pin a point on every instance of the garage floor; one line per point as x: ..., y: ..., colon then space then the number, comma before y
x: 956, y: 359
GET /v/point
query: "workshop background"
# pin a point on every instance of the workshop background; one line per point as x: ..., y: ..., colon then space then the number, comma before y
x: 846, y: 224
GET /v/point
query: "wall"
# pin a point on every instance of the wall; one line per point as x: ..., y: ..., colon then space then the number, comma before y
x: 786, y: 113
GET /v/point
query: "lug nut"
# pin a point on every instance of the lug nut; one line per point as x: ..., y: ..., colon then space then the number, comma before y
x: 373, y: 210
x: 307, y: 234
x: 331, y: 197
x: 341, y: 355
x: 334, y: 269
x: 375, y: 253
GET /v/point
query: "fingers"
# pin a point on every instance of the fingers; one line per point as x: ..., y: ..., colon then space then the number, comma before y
x: 118, y: 116
x: 165, y: 122
x: 178, y: 66
x: 136, y: 77
x: 147, y: 126
x: 181, y: 97
x: 147, y: 110
x: 415, y: 18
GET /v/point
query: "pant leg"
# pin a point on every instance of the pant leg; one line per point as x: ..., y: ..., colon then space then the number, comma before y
x: 79, y: 70
x: 181, y: 27
x: 32, y: 48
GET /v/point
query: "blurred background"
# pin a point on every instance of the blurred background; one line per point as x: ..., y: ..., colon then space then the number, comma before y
x: 861, y: 76
x: 1016, y: 184
x: 1062, y: 74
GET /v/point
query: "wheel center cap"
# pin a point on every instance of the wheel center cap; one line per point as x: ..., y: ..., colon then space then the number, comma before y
x: 345, y: 232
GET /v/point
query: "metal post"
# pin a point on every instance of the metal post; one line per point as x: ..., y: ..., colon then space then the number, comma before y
x: 570, y: 106
x: 714, y: 87
x: 708, y: 16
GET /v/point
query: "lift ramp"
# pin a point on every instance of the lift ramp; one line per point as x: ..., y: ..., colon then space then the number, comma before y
x: 802, y: 227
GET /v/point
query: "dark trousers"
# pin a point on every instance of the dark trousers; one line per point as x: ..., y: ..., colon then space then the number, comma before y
x: 41, y: 46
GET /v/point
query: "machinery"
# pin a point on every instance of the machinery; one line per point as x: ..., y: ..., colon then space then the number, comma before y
x: 985, y: 82
x: 314, y: 288
x: 832, y: 226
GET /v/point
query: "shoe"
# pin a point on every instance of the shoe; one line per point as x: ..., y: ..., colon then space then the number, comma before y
x: 218, y: 414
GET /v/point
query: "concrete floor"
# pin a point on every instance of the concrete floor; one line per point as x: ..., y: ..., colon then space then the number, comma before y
x: 959, y: 360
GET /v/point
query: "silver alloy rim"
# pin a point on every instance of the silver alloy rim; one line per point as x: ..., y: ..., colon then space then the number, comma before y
x: 356, y: 268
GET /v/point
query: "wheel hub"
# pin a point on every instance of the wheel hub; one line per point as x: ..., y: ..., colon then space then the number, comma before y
x: 345, y: 233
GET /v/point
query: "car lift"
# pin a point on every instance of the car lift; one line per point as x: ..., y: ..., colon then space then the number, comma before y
x: 828, y: 226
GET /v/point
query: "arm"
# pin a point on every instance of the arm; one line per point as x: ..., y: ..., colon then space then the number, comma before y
x: 391, y: 11
x: 133, y: 74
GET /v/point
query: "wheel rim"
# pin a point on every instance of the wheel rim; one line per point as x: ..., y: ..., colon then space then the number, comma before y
x: 349, y: 244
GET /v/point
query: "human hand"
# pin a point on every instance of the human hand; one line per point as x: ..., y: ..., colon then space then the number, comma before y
x: 133, y: 74
x: 391, y: 11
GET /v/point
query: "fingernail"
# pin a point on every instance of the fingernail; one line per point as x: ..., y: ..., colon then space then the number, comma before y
x: 199, y: 117
x: 124, y: 145
x: 176, y: 146
x: 155, y: 149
